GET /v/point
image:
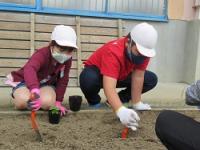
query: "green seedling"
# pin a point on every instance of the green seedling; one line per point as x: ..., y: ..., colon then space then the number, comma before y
x: 55, y: 110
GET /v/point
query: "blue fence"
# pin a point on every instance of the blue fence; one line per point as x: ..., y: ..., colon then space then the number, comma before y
x: 153, y: 10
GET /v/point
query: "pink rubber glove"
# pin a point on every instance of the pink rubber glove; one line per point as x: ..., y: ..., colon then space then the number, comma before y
x: 63, y: 110
x: 36, y: 103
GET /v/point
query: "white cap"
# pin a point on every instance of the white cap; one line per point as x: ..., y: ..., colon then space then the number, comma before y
x: 64, y: 36
x: 145, y: 36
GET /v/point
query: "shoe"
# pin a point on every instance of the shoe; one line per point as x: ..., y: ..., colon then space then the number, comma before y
x: 141, y: 106
x: 95, y: 106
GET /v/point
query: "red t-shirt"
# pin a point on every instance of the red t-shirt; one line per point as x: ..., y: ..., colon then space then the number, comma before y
x: 43, y: 68
x: 112, y: 61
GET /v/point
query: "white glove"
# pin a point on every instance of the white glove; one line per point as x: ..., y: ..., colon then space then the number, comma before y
x: 128, y: 117
x: 141, y: 106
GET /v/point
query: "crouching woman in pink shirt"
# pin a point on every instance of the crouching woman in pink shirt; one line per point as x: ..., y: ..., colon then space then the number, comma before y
x: 46, y: 73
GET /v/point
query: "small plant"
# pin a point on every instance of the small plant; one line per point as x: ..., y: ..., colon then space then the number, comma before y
x: 54, y: 115
x: 55, y: 110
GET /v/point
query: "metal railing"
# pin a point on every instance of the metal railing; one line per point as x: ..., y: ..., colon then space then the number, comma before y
x: 154, y: 10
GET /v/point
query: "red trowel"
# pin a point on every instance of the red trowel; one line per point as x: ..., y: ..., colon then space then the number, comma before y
x: 124, y: 133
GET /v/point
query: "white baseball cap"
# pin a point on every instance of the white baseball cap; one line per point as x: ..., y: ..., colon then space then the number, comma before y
x: 145, y: 36
x: 64, y: 36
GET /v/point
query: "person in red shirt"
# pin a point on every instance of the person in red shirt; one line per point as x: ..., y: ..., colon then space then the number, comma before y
x: 122, y: 63
x: 46, y: 73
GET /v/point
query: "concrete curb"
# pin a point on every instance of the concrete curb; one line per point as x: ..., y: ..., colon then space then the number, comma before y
x: 15, y: 112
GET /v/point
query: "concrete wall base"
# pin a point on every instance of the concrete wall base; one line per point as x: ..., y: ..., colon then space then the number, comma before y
x: 164, y: 95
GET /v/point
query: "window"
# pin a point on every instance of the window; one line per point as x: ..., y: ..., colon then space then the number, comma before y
x: 21, y: 2
x: 125, y: 9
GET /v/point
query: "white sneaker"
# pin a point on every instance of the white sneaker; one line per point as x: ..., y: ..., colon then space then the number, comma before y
x: 141, y: 106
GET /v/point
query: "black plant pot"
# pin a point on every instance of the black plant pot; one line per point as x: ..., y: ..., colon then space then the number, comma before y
x: 54, y: 118
x: 75, y: 102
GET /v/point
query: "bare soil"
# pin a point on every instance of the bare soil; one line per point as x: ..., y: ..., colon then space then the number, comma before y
x: 94, y: 130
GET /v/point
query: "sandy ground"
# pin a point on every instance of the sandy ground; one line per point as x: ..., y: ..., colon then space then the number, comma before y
x: 80, y: 131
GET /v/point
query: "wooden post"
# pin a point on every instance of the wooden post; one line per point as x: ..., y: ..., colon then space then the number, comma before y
x: 120, y: 26
x: 32, y: 34
x: 79, y: 61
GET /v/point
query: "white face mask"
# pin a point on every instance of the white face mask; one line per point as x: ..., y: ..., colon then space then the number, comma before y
x: 61, y: 58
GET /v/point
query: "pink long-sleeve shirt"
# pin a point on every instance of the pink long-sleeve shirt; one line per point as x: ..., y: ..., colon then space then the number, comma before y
x: 43, y: 68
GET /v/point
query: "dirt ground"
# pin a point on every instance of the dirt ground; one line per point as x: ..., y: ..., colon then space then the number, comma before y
x: 80, y: 131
